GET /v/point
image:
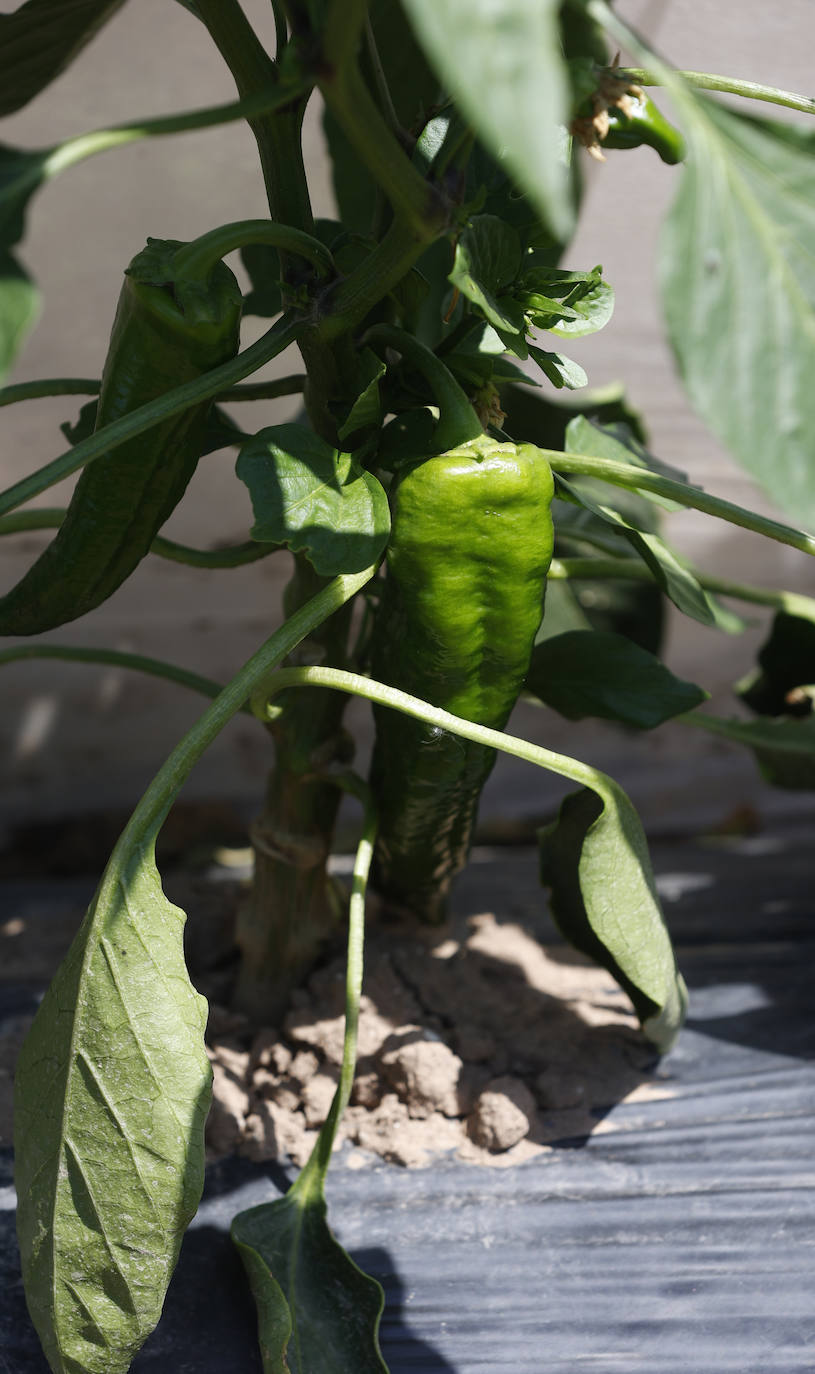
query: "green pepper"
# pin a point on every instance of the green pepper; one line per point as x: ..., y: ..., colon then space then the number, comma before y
x: 470, y: 548
x: 641, y: 122
x: 170, y: 327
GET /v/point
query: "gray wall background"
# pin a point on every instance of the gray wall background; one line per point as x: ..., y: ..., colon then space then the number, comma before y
x: 76, y: 738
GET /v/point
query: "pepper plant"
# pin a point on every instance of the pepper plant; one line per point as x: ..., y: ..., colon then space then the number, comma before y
x: 434, y: 498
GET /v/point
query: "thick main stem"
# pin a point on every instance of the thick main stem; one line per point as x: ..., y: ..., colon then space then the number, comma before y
x: 293, y: 908
x: 290, y: 910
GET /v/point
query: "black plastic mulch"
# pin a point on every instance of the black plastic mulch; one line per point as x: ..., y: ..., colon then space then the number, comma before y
x: 680, y: 1238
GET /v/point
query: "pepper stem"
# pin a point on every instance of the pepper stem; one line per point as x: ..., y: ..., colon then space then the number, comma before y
x: 382, y: 694
x: 197, y: 259
x: 458, y: 422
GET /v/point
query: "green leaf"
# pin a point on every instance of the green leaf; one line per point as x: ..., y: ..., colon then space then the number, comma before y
x: 40, y: 39
x: 560, y: 371
x: 635, y: 610
x: 367, y: 408
x: 495, y: 192
x: 600, y: 439
x: 565, y: 302
x: 738, y: 283
x: 502, y: 63
x: 542, y: 419
x: 304, y: 1282
x: 113, y: 1083
x: 112, y: 1092
x: 315, y: 499
x: 594, y: 858
x: 594, y: 310
x: 21, y: 173
x: 407, y: 437
x: 784, y: 749
x: 487, y: 261
x: 19, y: 308
x: 413, y: 88
x: 588, y: 673
x: 786, y: 662
x: 669, y: 568
x: 562, y: 613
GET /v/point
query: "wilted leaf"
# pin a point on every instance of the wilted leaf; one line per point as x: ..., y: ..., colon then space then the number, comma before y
x: 589, y: 673
x: 315, y: 499
x: 594, y: 858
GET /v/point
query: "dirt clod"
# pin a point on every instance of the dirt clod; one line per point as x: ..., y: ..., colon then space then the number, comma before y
x: 424, y: 1072
x: 502, y: 1115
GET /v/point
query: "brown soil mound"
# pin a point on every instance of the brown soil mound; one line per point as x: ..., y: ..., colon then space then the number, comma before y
x: 486, y: 1045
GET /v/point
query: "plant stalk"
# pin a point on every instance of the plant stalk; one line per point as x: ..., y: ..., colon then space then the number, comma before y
x: 642, y: 479
x: 729, y: 85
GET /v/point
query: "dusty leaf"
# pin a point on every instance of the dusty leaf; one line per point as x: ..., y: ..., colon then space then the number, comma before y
x: 112, y: 1092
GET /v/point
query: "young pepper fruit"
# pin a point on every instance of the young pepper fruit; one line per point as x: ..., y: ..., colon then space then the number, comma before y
x: 470, y: 547
x: 641, y: 122
x: 168, y: 329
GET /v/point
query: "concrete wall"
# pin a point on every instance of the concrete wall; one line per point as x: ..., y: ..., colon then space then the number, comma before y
x: 77, y: 738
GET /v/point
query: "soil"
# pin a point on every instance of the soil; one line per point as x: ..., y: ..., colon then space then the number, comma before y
x: 475, y: 1040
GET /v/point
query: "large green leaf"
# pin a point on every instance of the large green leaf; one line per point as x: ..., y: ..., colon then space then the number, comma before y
x: 112, y: 1092
x: 502, y: 62
x: 594, y: 858
x: 40, y: 39
x: 305, y: 1286
x: 315, y: 499
x: 589, y: 673
x: 738, y: 283
x: 113, y: 1082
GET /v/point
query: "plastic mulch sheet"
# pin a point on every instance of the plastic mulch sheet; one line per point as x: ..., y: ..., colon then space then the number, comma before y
x: 679, y: 1238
